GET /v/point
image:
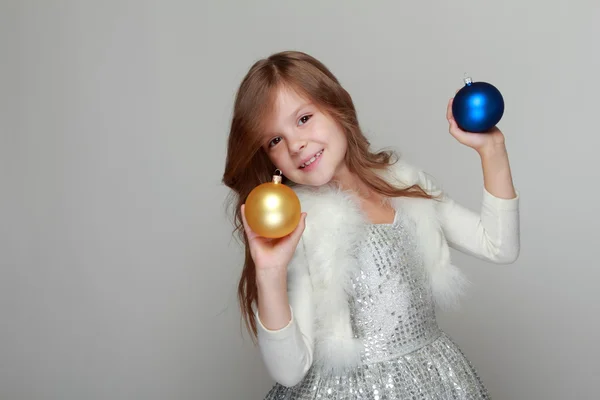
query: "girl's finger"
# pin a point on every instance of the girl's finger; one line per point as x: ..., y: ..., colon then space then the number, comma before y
x: 455, y: 130
x: 300, y: 228
x: 449, y: 115
x: 247, y: 228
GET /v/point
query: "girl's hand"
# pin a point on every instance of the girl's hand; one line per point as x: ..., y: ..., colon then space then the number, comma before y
x: 272, y: 255
x: 481, y: 142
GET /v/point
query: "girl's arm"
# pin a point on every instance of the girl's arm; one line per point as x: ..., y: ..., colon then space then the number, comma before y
x: 494, y: 233
x: 287, y: 349
x: 283, y: 316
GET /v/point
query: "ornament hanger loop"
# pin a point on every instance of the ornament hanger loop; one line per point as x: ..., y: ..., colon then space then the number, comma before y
x: 278, y: 172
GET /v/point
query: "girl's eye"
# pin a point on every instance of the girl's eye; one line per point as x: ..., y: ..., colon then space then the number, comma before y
x: 274, y: 141
x: 304, y: 119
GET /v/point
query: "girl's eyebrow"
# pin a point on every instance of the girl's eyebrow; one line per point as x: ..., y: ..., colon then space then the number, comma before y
x: 293, y: 115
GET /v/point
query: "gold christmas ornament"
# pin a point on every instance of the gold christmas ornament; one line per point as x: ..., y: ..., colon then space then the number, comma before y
x: 273, y: 209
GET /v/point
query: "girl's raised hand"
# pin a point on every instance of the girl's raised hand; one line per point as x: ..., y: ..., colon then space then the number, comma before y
x: 478, y: 141
x: 272, y: 255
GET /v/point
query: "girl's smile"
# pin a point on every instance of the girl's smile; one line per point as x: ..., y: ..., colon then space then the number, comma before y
x: 312, y: 162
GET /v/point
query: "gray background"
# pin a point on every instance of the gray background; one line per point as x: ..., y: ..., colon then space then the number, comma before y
x: 118, y: 269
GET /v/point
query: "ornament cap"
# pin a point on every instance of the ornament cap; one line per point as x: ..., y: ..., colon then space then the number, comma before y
x: 467, y: 79
x: 277, y: 178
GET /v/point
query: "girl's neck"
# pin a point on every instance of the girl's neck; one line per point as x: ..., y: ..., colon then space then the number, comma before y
x: 346, y: 180
x: 374, y: 205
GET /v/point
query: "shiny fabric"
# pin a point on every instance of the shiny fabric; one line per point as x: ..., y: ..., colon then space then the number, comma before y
x: 405, y: 355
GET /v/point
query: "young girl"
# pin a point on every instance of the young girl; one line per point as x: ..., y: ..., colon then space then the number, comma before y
x: 344, y: 306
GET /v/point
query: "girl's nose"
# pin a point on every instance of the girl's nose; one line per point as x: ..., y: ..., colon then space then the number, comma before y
x: 298, y: 146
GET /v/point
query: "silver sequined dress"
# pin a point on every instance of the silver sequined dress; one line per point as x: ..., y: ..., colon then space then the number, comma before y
x: 406, y: 355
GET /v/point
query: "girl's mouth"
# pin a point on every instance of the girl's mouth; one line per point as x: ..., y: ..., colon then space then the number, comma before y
x: 312, y: 160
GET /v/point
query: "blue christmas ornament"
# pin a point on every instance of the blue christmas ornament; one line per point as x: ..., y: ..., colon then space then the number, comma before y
x: 478, y: 106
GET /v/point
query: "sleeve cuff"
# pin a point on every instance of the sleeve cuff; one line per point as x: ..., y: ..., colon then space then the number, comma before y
x: 278, y: 334
x: 500, y: 203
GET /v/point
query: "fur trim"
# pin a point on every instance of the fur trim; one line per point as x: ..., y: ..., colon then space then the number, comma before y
x: 334, y: 229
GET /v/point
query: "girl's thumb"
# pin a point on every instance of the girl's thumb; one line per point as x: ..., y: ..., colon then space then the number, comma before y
x: 301, y: 225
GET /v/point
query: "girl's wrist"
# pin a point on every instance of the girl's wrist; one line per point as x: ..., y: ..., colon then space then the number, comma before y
x: 272, y: 298
x: 493, y: 151
x: 497, y: 175
x: 271, y: 278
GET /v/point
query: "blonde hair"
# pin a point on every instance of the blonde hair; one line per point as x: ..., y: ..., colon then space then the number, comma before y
x: 247, y: 165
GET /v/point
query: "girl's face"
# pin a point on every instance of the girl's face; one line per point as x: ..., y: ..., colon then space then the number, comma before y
x: 307, y: 145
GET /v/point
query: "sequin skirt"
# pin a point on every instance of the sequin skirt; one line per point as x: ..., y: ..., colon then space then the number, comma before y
x: 436, y: 371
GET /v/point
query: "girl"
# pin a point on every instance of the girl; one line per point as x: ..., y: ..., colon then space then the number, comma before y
x: 344, y: 306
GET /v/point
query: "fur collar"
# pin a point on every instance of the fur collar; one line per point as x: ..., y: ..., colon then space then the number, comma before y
x: 334, y: 228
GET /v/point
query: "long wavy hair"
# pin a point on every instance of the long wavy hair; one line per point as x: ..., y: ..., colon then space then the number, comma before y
x: 247, y: 164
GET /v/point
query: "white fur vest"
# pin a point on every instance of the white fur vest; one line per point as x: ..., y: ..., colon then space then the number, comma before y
x: 334, y: 228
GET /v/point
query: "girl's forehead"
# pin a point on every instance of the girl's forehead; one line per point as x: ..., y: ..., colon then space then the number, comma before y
x: 288, y: 99
x: 284, y: 108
